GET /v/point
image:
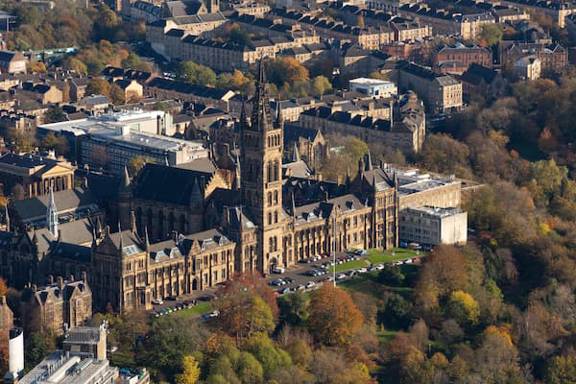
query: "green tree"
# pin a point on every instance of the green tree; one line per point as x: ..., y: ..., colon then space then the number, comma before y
x: 270, y: 356
x: 490, y: 34
x: 561, y: 370
x: 391, y: 275
x: 321, y: 85
x: 37, y: 346
x: 249, y: 369
x: 168, y: 341
x: 238, y: 35
x: 464, y: 308
x: 56, y: 143
x: 54, y: 114
x: 193, y: 73
x: 191, y: 371
x: 294, y: 308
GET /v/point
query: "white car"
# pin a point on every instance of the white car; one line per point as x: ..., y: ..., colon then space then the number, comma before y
x: 278, y: 270
x: 157, y: 301
x: 310, y: 284
x: 340, y: 276
x: 362, y: 270
x: 379, y: 267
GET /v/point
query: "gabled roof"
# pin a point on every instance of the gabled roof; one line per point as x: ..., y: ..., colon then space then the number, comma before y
x: 477, y: 74
x: 171, y: 185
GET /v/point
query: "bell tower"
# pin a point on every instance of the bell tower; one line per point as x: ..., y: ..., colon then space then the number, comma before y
x: 261, y: 174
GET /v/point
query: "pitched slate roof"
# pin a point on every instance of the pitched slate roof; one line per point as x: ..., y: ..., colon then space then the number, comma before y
x: 169, y: 184
x: 65, y: 200
x: 476, y: 74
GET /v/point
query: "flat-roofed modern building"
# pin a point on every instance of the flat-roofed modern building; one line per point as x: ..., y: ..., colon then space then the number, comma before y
x: 374, y: 87
x: 433, y: 225
x: 109, y: 142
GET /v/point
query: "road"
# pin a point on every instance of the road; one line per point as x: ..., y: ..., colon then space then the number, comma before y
x: 298, y: 275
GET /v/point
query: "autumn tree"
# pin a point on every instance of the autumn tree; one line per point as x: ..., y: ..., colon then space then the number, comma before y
x: 463, y: 307
x: 334, y: 318
x: 98, y: 87
x: 191, y: 371
x: 443, y: 272
x: 286, y: 70
x: 561, y: 370
x: 36, y: 67
x: 117, y: 96
x: 244, y: 308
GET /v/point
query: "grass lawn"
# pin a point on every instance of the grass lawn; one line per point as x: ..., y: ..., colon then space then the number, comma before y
x: 354, y: 264
x: 199, y: 309
x: 377, y: 256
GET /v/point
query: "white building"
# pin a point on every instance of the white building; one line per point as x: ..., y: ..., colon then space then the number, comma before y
x: 433, y: 225
x: 528, y: 68
x: 110, y: 141
x: 374, y: 87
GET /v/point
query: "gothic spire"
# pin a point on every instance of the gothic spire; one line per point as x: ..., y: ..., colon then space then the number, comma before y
x: 121, y: 243
x: 146, y: 238
x: 125, y: 184
x: 368, y: 161
x: 237, y: 170
x: 52, y: 215
x: 7, y: 217
x: 261, y: 116
x: 296, y: 154
x: 196, y: 194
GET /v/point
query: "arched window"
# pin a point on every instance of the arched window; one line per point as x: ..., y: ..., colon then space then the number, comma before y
x: 270, y: 172
x: 275, y: 217
x: 269, y: 218
x: 269, y: 198
x: 276, y: 170
x: 275, y: 197
x: 271, y: 244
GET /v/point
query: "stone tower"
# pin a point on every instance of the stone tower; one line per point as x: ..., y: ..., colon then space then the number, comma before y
x: 261, y: 174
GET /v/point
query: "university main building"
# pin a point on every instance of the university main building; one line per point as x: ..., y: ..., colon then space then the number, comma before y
x: 186, y: 229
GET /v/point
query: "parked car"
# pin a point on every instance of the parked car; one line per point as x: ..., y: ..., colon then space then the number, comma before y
x: 278, y: 270
x: 157, y: 301
x: 415, y: 246
x: 310, y: 284
x: 278, y: 282
x: 362, y: 270
x: 340, y: 276
x: 211, y: 315
x: 288, y: 280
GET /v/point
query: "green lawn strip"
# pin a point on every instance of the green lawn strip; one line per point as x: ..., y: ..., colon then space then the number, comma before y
x: 353, y: 264
x: 199, y: 309
x: 377, y: 256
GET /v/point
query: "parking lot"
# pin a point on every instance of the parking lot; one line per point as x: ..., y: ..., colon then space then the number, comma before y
x: 305, y: 276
